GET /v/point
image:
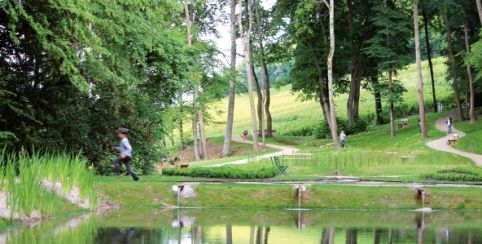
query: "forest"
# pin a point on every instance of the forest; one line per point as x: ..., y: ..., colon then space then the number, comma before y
x: 72, y: 72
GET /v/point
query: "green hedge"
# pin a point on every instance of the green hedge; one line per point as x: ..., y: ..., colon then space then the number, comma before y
x: 457, y: 174
x: 222, y: 172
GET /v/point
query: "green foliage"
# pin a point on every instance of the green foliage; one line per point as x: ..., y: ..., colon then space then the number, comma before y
x: 457, y: 174
x: 224, y: 172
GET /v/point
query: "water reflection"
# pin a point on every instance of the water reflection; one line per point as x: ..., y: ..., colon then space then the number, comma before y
x: 256, y: 227
x: 326, y: 227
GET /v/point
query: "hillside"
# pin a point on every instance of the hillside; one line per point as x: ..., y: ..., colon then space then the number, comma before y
x: 290, y: 114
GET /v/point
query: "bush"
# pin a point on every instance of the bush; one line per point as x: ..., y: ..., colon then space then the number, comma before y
x: 322, y: 130
x: 224, y: 172
x: 456, y: 174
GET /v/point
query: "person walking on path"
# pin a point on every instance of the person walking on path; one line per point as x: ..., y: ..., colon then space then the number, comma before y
x: 245, y: 135
x: 342, y: 139
x: 125, y: 151
x: 449, y: 125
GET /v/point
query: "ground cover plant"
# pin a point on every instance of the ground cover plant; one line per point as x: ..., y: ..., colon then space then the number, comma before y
x: 23, y: 177
x: 471, y: 141
x: 457, y: 174
x: 223, y: 172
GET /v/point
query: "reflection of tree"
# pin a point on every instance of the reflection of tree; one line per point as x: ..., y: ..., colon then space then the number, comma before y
x: 229, y: 234
x: 328, y: 236
x: 351, y: 236
x: 259, y: 235
x: 378, y: 236
x: 196, y: 234
x: 266, y: 234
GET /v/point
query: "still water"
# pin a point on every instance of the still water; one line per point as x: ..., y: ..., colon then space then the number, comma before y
x: 254, y: 226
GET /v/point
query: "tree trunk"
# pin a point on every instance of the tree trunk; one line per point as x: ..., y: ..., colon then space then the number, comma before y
x: 264, y: 70
x: 391, y: 109
x: 260, y: 104
x: 259, y: 235
x: 266, y: 234
x: 181, y: 121
x: 195, y: 138
x: 479, y: 10
x: 351, y: 236
x: 198, y: 113
x: 452, y: 65
x: 329, y: 61
x: 323, y: 94
x: 232, y: 83
x: 429, y: 57
x: 229, y: 234
x: 421, y: 102
x: 469, y: 75
x: 251, y: 234
x: 378, y: 100
x: 355, y: 77
x: 247, y: 55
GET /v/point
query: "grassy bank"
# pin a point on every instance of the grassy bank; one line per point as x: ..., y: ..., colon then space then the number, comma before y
x: 471, y: 141
x: 155, y: 194
x: 25, y: 181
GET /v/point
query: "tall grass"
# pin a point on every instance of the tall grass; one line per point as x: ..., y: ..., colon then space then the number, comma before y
x: 22, y: 176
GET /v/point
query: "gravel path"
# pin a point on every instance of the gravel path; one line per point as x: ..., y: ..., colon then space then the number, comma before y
x: 284, y: 150
x: 442, y: 143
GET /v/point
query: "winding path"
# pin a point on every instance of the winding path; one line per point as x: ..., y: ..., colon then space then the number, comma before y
x: 442, y: 145
x: 284, y: 150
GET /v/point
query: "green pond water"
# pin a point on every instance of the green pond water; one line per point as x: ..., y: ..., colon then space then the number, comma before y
x: 253, y: 226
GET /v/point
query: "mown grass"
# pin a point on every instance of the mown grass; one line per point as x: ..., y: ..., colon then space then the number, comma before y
x: 252, y: 196
x: 291, y: 114
x: 473, y: 133
x: 22, y: 177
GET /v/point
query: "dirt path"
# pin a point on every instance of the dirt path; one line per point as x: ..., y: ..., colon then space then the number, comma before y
x: 442, y: 145
x: 284, y: 150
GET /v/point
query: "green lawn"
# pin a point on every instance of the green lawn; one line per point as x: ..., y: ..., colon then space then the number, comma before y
x: 292, y: 114
x: 151, y: 193
x: 471, y: 142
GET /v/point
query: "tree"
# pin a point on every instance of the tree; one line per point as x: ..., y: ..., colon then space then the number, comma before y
x: 388, y: 48
x: 469, y: 73
x: 232, y: 82
x: 421, y: 103
x: 426, y: 9
x: 452, y: 70
x: 249, y: 68
x: 332, y: 122
x: 479, y: 10
x: 264, y: 69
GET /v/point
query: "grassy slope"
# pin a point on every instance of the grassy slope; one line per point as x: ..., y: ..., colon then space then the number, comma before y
x: 151, y: 193
x: 471, y: 141
x: 289, y: 112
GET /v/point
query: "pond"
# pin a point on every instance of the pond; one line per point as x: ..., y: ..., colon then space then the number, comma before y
x: 133, y: 225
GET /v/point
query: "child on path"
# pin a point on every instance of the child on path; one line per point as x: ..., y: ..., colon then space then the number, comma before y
x: 449, y: 124
x: 125, y: 150
x: 245, y: 135
x: 342, y: 139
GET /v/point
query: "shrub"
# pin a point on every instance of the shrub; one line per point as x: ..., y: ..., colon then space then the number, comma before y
x: 322, y: 130
x: 456, y: 174
x: 224, y: 172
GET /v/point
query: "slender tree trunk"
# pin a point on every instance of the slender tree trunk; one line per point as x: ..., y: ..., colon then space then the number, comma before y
x: 378, y: 100
x: 421, y: 102
x: 264, y: 70
x: 266, y: 234
x: 355, y: 77
x: 232, y: 83
x: 469, y: 75
x: 329, y: 61
x: 195, y: 138
x: 259, y: 235
x: 251, y: 234
x: 391, y: 109
x: 247, y: 54
x: 203, y: 135
x: 453, y: 65
x: 197, y: 111
x: 181, y: 121
x: 229, y: 234
x: 260, y: 104
x: 429, y: 57
x: 378, y: 236
x: 479, y: 10
x: 323, y: 94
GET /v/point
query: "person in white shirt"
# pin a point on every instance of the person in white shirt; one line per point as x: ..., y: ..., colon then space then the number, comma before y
x: 342, y: 139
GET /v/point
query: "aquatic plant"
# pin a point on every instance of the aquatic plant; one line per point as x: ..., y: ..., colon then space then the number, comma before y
x: 23, y: 178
